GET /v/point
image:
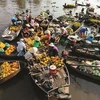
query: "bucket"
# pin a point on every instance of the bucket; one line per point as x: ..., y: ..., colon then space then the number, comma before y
x: 53, y: 70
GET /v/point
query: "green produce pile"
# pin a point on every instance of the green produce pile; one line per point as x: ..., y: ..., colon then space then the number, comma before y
x: 91, y: 69
x: 76, y: 25
x: 94, y: 20
x: 64, y: 17
x: 70, y: 5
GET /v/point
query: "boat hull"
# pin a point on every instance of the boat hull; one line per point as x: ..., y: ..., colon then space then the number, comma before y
x: 83, y: 75
x: 65, y: 6
x: 84, y: 54
x: 8, y: 36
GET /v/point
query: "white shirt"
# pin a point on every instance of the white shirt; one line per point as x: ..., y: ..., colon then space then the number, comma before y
x: 20, y: 46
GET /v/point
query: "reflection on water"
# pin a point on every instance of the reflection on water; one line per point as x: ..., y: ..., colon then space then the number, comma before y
x: 21, y: 4
x: 36, y: 1
x: 3, y: 3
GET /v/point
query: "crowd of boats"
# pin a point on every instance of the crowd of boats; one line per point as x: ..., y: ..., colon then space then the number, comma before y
x: 38, y: 44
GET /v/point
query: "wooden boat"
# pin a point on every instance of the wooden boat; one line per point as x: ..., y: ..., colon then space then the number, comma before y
x: 12, y: 32
x: 90, y: 52
x: 90, y: 39
x: 87, y: 5
x: 98, y: 6
x: 8, y: 69
x: 51, y: 80
x: 75, y: 29
x: 44, y: 24
x: 88, y: 69
x: 69, y: 6
x: 72, y: 31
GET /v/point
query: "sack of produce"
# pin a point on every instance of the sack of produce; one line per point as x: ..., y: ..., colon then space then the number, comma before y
x: 7, y: 44
x: 2, y: 50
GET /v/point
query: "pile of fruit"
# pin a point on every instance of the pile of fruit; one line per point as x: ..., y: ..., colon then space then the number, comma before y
x: 9, y: 50
x: 76, y: 25
x: 94, y: 20
x: 8, y: 68
x: 70, y: 5
x: 2, y: 45
x: 69, y: 30
x: 28, y: 42
x: 6, y: 48
x: 14, y: 28
x: 45, y: 60
x: 57, y: 61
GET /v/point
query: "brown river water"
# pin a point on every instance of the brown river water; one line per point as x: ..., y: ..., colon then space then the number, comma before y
x: 21, y: 87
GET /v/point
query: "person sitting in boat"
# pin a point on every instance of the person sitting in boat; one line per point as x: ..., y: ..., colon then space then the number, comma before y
x: 37, y: 42
x: 53, y: 50
x: 52, y: 39
x: 82, y: 10
x: 46, y: 37
x: 19, y: 20
x: 64, y: 32
x: 21, y: 47
x: 70, y: 13
x: 40, y: 32
x: 36, y: 26
x: 26, y: 32
x: 31, y: 54
x: 64, y: 55
x: 65, y: 4
x: 90, y: 38
x: 31, y: 32
x: 83, y: 32
x: 14, y: 20
x: 32, y: 22
x: 76, y: 15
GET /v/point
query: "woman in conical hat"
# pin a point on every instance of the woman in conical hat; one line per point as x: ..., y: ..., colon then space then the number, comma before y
x: 37, y: 42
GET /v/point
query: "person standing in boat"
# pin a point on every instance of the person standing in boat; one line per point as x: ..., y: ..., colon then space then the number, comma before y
x: 70, y: 13
x: 27, y: 16
x: 83, y: 32
x: 21, y: 47
x: 32, y: 22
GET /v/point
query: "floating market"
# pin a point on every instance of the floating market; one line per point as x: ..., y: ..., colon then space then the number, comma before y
x: 51, y: 49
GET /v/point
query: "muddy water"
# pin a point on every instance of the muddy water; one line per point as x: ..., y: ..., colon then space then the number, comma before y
x: 20, y: 87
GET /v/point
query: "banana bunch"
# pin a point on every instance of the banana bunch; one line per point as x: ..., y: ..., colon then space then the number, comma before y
x: 57, y: 61
x: 8, y: 68
x: 5, y: 70
x: 10, y: 49
x: 2, y: 45
x: 44, y: 61
x: 14, y: 28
